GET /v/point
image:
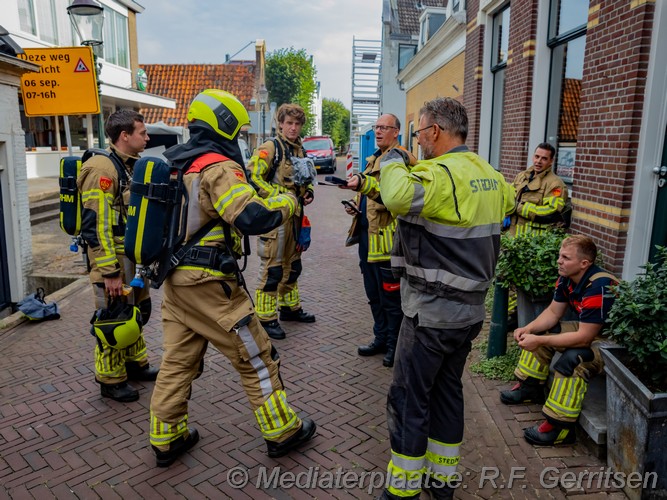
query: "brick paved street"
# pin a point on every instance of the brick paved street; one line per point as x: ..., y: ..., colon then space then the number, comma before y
x: 60, y: 439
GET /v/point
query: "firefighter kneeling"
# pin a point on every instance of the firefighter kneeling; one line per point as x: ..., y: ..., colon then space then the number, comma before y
x: 203, y: 302
x: 584, y: 287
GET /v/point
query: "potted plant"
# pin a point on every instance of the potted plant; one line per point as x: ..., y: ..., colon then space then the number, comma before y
x: 637, y: 380
x: 528, y: 264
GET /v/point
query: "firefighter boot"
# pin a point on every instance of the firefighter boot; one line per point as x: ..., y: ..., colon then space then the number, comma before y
x: 301, y: 436
x: 375, y: 347
x: 144, y: 373
x: 122, y: 392
x: 388, y: 359
x: 392, y: 340
x: 273, y: 329
x: 547, y: 434
x: 286, y: 314
x: 176, y: 448
x: 438, y: 490
x: 530, y: 390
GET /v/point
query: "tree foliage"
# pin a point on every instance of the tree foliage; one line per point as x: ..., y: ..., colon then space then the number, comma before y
x: 290, y: 78
x: 336, y: 122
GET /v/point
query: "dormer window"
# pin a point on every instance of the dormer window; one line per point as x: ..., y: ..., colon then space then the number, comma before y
x: 429, y: 22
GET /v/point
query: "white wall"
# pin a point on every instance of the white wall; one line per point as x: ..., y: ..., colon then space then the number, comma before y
x: 14, y: 187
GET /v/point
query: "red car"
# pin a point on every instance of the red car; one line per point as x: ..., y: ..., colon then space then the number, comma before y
x: 321, y: 150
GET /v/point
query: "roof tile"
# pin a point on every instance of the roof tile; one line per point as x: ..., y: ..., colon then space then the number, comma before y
x: 183, y: 82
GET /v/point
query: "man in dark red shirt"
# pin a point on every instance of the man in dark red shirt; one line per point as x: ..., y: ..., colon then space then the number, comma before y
x: 583, y: 286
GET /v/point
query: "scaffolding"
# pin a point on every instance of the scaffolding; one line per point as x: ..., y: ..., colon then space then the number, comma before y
x: 366, y: 66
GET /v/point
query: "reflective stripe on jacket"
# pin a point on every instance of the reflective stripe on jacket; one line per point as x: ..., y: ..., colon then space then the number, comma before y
x: 104, y: 211
x: 381, y: 224
x: 540, y: 196
x: 220, y: 190
x: 450, y: 211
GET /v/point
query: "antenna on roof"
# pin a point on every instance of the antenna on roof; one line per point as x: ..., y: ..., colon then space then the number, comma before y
x: 228, y: 59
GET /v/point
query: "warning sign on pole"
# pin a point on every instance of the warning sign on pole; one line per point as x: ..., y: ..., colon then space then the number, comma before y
x: 66, y: 84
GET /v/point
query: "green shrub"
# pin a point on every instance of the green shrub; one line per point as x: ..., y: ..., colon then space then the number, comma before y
x: 529, y: 262
x: 638, y: 321
x: 500, y: 367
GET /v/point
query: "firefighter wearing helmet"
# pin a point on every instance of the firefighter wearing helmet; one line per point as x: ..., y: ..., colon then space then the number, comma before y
x: 274, y: 168
x: 105, y: 190
x: 204, y: 302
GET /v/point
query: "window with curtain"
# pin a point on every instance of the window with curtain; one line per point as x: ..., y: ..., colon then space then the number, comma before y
x: 27, y: 16
x: 567, y: 40
x: 116, y: 44
x: 499, y: 49
x: 47, y: 21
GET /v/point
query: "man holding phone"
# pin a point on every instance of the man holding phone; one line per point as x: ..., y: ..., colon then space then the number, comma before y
x: 376, y: 228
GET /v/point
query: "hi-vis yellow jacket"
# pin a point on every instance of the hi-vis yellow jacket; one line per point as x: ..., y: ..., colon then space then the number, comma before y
x: 381, y: 224
x: 450, y: 210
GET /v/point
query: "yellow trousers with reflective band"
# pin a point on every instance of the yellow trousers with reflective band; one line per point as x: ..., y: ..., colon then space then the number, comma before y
x: 567, y: 393
x: 110, y: 362
x: 194, y: 316
x: 280, y: 267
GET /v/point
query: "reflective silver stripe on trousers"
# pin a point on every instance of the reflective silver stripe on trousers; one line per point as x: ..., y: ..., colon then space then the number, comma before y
x: 257, y: 363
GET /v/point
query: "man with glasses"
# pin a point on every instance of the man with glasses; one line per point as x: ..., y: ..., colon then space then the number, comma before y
x: 376, y: 227
x: 449, y: 207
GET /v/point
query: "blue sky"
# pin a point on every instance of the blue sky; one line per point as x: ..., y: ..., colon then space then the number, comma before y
x: 203, y: 31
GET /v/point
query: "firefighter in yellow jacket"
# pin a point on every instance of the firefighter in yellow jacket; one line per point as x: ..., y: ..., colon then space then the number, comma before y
x: 105, y: 189
x: 449, y: 208
x: 540, y: 194
x: 272, y: 172
x: 205, y: 299
x: 376, y: 228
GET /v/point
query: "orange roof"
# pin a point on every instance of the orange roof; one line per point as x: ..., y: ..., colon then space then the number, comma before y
x: 183, y: 82
x: 570, y: 103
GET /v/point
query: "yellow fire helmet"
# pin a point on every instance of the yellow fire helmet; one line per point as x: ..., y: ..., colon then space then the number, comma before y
x: 220, y: 111
x: 118, y: 326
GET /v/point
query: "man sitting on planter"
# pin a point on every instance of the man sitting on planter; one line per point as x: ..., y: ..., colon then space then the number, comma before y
x: 583, y: 286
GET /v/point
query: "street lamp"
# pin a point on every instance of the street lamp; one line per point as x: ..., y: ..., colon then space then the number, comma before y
x: 263, y: 99
x: 87, y: 17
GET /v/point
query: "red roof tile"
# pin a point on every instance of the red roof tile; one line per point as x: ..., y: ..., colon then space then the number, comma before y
x: 570, y: 104
x: 183, y: 82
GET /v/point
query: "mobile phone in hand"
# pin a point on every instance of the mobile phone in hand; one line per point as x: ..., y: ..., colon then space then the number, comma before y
x: 336, y: 180
x: 351, y: 206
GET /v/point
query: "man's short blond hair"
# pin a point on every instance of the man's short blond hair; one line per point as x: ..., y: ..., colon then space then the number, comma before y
x: 586, y: 247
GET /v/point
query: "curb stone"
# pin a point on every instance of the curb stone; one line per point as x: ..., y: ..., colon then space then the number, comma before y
x: 18, y: 317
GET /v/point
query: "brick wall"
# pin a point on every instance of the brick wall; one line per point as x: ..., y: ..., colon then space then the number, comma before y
x: 518, y: 87
x: 612, y: 97
x: 472, y: 95
x: 439, y: 84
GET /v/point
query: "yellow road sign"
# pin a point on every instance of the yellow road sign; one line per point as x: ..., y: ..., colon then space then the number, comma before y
x: 66, y: 84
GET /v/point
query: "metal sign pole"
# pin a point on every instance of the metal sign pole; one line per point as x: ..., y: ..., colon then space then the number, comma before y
x: 68, y: 137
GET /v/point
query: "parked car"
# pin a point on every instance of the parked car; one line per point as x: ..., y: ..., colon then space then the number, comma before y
x: 321, y: 150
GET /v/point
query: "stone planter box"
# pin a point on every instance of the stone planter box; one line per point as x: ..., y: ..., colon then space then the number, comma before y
x: 529, y: 307
x: 636, y: 428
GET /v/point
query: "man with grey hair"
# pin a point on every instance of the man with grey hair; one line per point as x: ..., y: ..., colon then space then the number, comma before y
x: 376, y: 227
x: 450, y: 207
